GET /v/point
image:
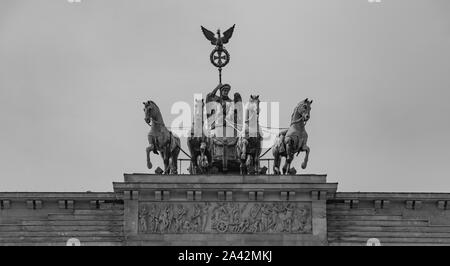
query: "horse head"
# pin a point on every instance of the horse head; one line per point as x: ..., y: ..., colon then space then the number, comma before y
x: 302, y: 112
x: 254, y: 103
x: 152, y: 112
x: 252, y: 117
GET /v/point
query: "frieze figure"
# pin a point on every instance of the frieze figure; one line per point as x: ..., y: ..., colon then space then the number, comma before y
x: 143, y: 215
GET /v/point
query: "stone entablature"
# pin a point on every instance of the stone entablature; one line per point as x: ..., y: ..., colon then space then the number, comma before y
x: 228, y: 187
x: 64, y: 200
x: 383, y: 200
x: 212, y: 209
x: 148, y: 209
x: 389, y: 218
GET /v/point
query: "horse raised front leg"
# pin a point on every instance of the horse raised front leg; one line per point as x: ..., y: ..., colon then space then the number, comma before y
x: 148, y: 150
x: 305, y: 161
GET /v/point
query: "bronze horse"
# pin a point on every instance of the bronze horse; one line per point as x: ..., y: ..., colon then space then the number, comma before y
x: 248, y: 147
x: 161, y: 139
x: 294, y: 139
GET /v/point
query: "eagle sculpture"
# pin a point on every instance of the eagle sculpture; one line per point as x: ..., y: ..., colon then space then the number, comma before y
x: 220, y: 40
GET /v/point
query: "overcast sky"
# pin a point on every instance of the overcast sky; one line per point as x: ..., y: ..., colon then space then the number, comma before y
x: 73, y: 78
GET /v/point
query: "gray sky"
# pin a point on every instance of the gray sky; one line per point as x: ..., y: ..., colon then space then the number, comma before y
x: 73, y: 78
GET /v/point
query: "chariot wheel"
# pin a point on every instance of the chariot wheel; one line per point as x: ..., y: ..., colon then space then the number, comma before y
x: 222, y: 227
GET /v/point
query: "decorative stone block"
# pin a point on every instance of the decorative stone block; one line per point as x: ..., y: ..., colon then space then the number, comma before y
x: 378, y: 204
x: 291, y: 195
x: 409, y: 204
x: 70, y: 204
x: 198, y: 195
x: 287, y: 195
x: 260, y: 195
x: 5, y: 204
x: 417, y: 204
x: 315, y: 195
x: 190, y: 195
x: 134, y: 195
x: 221, y: 195
x: 166, y: 195
x: 158, y: 195
x: 413, y: 204
x: 351, y: 204
x: 131, y: 194
x: 252, y: 195
x: 62, y: 204
x: 30, y: 204
x: 94, y: 204
x: 34, y: 204
x: 229, y: 195
x: 38, y: 204
x: 348, y: 204
x: 126, y: 195
x: 322, y: 195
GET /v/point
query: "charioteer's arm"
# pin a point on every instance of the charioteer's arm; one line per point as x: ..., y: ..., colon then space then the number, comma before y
x: 212, y: 95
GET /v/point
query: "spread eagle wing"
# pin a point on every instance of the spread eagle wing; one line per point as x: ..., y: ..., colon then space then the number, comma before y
x: 209, y: 35
x: 227, y: 34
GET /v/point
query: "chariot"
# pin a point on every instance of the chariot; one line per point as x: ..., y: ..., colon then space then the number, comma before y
x: 219, y: 152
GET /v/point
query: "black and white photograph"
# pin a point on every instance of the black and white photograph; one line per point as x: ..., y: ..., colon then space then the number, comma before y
x: 239, y: 125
